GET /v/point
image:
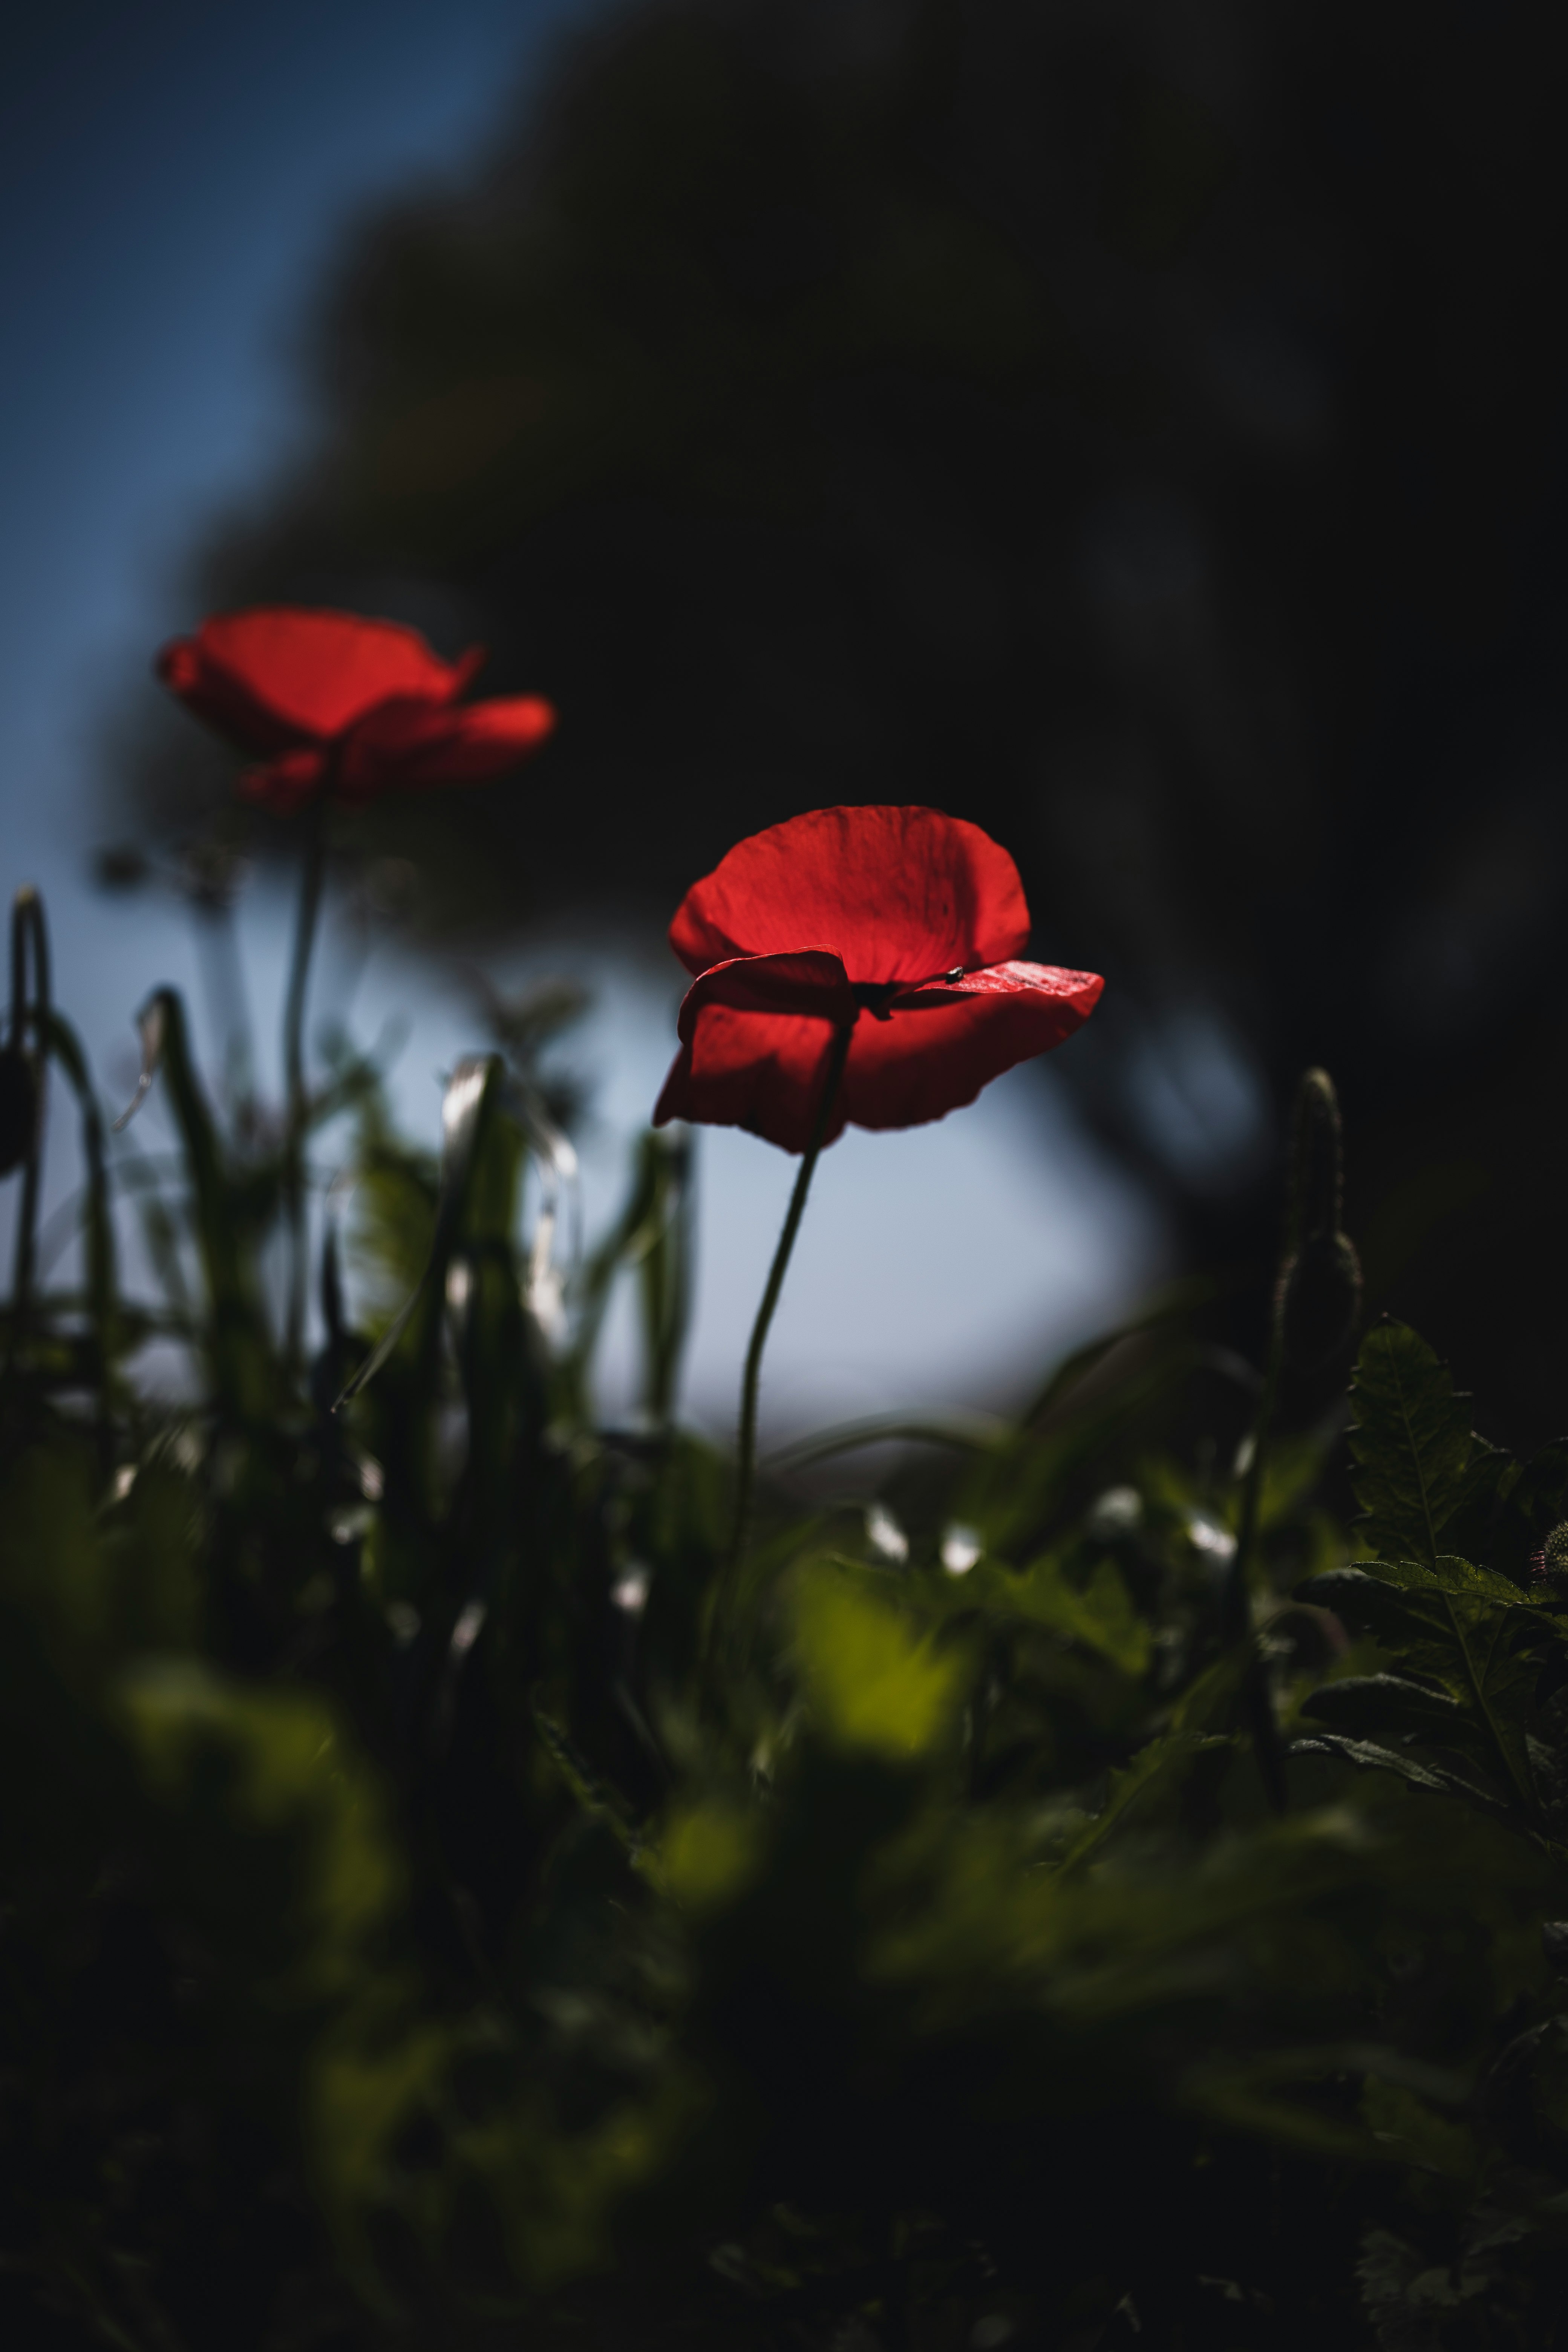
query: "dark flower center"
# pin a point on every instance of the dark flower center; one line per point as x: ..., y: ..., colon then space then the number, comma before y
x: 875, y: 996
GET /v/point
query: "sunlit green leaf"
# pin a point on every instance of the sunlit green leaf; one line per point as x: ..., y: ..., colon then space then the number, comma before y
x: 875, y: 1681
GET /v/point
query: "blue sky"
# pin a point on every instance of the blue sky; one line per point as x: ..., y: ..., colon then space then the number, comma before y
x: 173, y: 180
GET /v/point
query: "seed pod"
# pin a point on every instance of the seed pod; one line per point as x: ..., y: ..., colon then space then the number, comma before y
x: 18, y: 1106
x: 1552, y: 1559
x: 1320, y: 1299
x: 1316, y: 1156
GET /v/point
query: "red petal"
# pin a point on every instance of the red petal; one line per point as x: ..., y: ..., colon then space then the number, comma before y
x: 408, y: 744
x: 810, y: 981
x: 760, y: 1070
x: 931, y: 1056
x: 279, y: 675
x: 1011, y: 979
x: 898, y: 893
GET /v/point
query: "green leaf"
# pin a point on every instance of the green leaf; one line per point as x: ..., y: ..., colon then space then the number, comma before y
x: 470, y: 1095
x: 1478, y: 1635
x: 878, y: 1681
x: 1411, y: 1445
x: 1099, y: 1615
x: 707, y: 1854
x: 1476, y: 1527
x: 1368, y: 1603
x: 275, y: 1762
x: 1163, y: 1767
x: 98, y: 1224
x: 1386, y: 1706
x: 1371, y: 1757
x: 238, y: 1343
x: 652, y: 1236
x: 1455, y: 1577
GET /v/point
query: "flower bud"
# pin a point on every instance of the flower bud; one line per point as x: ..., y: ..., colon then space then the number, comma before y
x: 1315, y: 1152
x: 1320, y: 1299
x: 18, y: 1106
x: 1552, y: 1559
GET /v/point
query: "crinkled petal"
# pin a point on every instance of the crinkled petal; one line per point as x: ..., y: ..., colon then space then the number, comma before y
x: 1012, y: 979
x: 408, y: 745
x: 809, y: 980
x: 280, y: 676
x: 900, y: 894
x: 937, y: 1051
x: 759, y: 1069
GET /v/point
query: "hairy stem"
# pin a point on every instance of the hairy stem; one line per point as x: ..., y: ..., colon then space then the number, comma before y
x: 831, y: 1074
x: 306, y: 924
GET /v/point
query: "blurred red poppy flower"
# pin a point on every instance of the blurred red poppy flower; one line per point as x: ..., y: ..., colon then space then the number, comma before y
x: 328, y: 698
x: 900, y: 923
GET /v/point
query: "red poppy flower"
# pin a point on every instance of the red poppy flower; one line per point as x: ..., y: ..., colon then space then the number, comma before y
x: 902, y: 922
x: 329, y: 698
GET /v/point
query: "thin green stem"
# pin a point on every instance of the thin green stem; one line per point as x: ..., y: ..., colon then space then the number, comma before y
x: 29, y: 927
x: 1235, y: 1606
x: 1257, y: 1698
x: 831, y: 1074
x: 306, y: 925
x: 1235, y: 1614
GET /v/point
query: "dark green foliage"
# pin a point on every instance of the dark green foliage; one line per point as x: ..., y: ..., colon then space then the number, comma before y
x: 1411, y: 1445
x: 1475, y: 1643
x: 413, y: 1934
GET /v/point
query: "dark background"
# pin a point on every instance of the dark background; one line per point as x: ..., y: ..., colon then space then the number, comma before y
x: 1138, y: 428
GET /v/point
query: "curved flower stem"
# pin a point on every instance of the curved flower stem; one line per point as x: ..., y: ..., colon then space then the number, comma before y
x: 831, y: 1074
x: 306, y: 924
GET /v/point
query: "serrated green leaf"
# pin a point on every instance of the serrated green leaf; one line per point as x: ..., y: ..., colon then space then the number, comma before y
x: 1411, y: 1445
x: 1373, y: 1756
x: 1458, y: 1578
x: 1385, y: 1706
x: 1475, y: 1632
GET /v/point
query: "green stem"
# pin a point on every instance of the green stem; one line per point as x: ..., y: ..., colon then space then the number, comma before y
x: 306, y: 925
x: 28, y: 924
x: 1257, y: 1696
x: 1235, y: 1605
x: 832, y: 1076
x: 1235, y: 1614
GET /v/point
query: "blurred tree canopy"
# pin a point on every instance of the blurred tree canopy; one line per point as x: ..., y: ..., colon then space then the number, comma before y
x: 1138, y: 428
